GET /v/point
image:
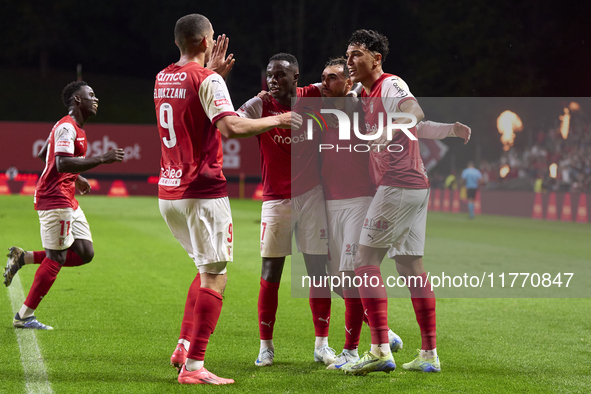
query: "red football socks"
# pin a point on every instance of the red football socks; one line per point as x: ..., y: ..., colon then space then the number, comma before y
x: 423, y: 302
x: 72, y: 258
x: 187, y: 324
x: 38, y: 257
x: 44, y: 278
x: 267, y: 307
x: 375, y: 302
x: 353, y: 318
x: 206, y: 314
x: 320, y: 305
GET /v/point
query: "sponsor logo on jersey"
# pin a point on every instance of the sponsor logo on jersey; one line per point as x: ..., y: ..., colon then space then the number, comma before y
x: 279, y: 139
x: 219, y: 103
x: 401, y: 92
x: 170, y: 177
x: 65, y: 144
x: 167, y: 77
x: 169, y: 182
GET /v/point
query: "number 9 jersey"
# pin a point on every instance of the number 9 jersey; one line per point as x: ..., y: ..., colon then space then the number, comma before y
x: 189, y: 100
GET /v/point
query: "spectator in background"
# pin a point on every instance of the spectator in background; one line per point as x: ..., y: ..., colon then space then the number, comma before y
x: 472, y: 177
x: 451, y: 181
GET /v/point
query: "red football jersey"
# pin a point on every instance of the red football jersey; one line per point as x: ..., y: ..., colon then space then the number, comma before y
x: 345, y: 172
x: 189, y: 100
x: 56, y: 190
x: 289, y: 162
x: 401, y: 169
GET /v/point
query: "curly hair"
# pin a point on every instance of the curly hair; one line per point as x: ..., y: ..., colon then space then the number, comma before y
x: 70, y: 90
x: 372, y: 40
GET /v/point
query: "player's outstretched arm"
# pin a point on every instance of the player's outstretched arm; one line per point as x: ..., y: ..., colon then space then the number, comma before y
x: 437, y: 131
x: 411, y: 107
x: 76, y: 165
x: 239, y: 127
x: 462, y: 131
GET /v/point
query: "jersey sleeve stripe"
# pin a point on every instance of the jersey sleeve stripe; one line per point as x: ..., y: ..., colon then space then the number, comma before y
x: 405, y: 99
x: 223, y: 114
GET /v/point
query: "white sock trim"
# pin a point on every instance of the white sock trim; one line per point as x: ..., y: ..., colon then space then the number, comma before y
x: 193, y: 365
x: 427, y: 354
x: 321, y: 341
x: 267, y: 343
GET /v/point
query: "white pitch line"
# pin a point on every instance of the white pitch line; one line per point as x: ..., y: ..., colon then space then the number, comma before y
x: 35, y: 374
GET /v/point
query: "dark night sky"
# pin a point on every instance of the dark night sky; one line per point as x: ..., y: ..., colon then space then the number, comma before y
x: 453, y: 48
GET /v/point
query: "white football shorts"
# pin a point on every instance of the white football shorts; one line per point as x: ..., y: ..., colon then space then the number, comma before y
x: 60, y: 227
x: 203, y: 226
x: 304, y: 215
x: 345, y: 219
x: 397, y: 219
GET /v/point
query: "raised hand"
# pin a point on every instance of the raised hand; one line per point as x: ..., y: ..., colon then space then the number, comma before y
x: 218, y: 61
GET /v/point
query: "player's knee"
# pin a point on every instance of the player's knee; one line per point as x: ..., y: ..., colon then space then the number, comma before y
x: 272, y: 269
x: 61, y: 259
x: 88, y: 256
x: 213, y: 276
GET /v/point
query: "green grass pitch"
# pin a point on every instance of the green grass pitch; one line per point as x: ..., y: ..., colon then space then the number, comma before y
x: 117, y: 319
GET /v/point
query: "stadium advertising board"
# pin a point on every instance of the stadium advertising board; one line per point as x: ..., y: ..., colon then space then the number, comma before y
x: 140, y: 143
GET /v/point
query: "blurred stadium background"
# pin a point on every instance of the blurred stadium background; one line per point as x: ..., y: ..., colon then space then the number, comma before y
x: 469, y: 61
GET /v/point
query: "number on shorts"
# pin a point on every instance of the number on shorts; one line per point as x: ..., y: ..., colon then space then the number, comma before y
x: 230, y: 231
x: 264, y: 224
x: 166, y: 122
x: 64, y: 226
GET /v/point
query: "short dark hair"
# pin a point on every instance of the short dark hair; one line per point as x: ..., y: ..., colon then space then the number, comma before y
x: 189, y: 27
x: 70, y: 90
x: 288, y: 57
x: 338, y: 61
x: 372, y: 40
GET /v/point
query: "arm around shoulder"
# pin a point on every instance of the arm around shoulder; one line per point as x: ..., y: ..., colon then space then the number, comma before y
x: 239, y: 127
